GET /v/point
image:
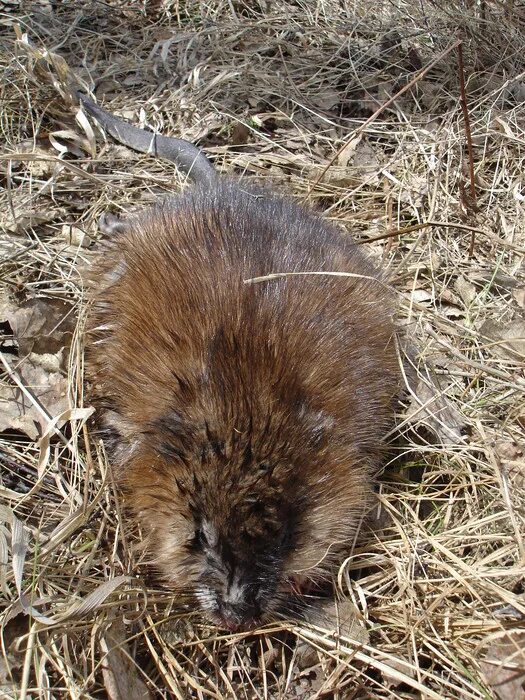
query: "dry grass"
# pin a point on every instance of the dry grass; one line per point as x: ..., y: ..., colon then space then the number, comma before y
x: 275, y: 90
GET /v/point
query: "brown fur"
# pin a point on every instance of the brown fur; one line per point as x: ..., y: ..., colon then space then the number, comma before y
x: 248, y: 418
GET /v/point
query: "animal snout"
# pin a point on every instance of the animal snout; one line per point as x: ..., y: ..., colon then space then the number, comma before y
x: 240, y: 615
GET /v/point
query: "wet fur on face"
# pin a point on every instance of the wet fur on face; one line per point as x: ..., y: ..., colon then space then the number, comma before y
x: 247, y: 418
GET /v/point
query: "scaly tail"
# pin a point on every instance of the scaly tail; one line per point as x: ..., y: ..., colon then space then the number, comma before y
x: 184, y: 154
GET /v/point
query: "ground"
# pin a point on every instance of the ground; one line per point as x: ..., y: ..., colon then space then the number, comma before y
x: 431, y: 604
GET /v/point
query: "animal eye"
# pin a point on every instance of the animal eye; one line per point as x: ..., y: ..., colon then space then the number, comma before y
x: 265, y: 467
x: 198, y: 541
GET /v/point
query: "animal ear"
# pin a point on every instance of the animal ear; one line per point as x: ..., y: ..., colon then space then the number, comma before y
x: 111, y: 225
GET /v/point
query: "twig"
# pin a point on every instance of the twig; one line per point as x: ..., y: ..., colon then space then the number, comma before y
x: 396, y: 232
x: 491, y: 371
x: 442, y: 224
x: 378, y: 111
x: 468, y: 133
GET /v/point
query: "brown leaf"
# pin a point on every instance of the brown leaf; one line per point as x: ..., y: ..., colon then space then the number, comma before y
x: 240, y: 134
x: 498, y: 279
x: 432, y: 408
x: 26, y: 209
x: 508, y: 451
x: 40, y: 376
x: 504, y: 666
x: 348, y: 152
x: 75, y: 237
x: 465, y: 289
x: 511, y: 457
x: 44, y: 163
x: 120, y: 672
x: 519, y: 296
x: 340, y: 616
x: 421, y: 296
x: 41, y: 325
x: 366, y: 160
x: 69, y: 141
x: 326, y: 99
x: 508, y: 337
x: 9, y: 666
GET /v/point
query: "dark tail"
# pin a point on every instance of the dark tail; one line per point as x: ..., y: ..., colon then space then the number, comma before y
x: 184, y: 154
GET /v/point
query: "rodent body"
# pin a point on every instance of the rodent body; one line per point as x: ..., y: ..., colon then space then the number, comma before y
x: 247, y: 415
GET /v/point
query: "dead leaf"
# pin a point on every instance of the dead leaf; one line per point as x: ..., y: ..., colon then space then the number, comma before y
x: 340, y: 617
x: 511, y: 457
x: 121, y: 673
x: 508, y: 337
x: 504, y: 666
x: 326, y: 99
x: 76, y: 237
x: 26, y: 209
x: 9, y: 666
x: 44, y: 163
x: 348, y: 152
x: 421, y: 296
x: 431, y: 407
x: 451, y: 311
x: 507, y: 450
x: 366, y: 160
x: 48, y: 389
x: 498, y: 279
x: 41, y: 326
x: 519, y: 296
x: 68, y: 141
x: 449, y: 297
x: 240, y: 134
x: 465, y: 289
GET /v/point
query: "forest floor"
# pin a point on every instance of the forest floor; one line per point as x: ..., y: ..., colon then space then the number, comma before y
x: 297, y: 93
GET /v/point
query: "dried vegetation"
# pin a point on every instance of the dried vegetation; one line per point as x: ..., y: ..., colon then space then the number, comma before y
x: 280, y: 90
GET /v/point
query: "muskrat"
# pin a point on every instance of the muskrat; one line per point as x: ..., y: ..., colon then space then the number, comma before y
x: 245, y: 360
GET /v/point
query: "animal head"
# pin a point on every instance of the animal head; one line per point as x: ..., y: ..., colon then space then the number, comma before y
x: 237, y: 517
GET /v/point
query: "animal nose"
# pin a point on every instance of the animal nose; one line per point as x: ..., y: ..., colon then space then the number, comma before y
x: 237, y: 616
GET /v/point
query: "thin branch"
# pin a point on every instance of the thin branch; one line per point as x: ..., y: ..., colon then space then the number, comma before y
x: 468, y: 133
